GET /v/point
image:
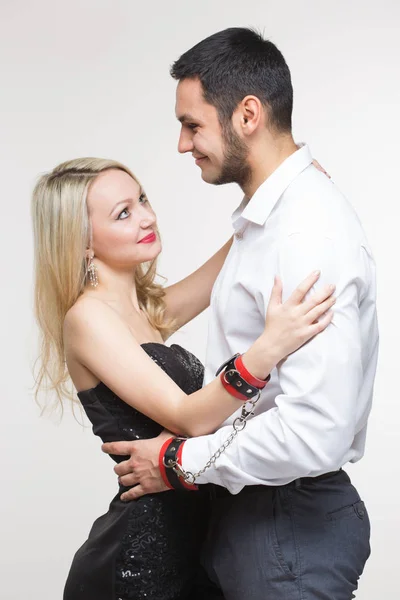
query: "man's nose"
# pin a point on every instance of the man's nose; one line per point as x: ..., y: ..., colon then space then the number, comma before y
x: 185, y: 143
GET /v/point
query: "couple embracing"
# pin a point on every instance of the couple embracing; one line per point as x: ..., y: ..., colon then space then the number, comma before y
x: 231, y: 480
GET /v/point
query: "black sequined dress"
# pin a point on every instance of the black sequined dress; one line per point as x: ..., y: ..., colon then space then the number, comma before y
x: 148, y: 548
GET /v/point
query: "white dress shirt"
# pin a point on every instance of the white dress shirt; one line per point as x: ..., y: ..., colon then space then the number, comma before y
x: 312, y: 416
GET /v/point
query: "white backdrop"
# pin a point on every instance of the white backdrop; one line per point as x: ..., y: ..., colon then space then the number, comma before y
x: 90, y: 77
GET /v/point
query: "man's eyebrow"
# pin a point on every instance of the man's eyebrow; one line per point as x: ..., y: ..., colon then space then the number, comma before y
x: 186, y: 118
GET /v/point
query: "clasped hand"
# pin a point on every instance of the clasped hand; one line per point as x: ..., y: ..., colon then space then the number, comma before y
x: 140, y: 471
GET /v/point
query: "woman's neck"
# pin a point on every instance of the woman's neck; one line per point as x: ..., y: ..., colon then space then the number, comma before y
x: 116, y: 286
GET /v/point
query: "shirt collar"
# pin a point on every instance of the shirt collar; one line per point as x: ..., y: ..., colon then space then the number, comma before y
x: 260, y: 205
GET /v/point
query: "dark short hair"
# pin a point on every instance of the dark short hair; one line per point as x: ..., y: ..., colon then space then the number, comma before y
x: 234, y: 63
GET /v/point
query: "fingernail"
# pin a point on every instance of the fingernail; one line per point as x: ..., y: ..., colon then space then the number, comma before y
x: 317, y: 273
x: 332, y: 287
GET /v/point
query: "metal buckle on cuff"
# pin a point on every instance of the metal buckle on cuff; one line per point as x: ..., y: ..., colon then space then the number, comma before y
x: 171, y: 464
x: 185, y: 475
x: 226, y: 363
x: 230, y: 372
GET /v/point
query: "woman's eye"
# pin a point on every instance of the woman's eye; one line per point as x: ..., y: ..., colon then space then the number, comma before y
x: 123, y: 215
x: 143, y: 199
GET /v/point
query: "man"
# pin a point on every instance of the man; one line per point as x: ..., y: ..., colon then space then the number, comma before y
x: 287, y: 523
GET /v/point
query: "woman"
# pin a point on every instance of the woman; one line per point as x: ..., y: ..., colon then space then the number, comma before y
x: 104, y: 322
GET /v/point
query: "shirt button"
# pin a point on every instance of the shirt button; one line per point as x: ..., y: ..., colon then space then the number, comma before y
x: 239, y: 235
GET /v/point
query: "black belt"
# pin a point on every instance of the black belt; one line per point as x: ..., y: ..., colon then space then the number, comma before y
x: 218, y: 491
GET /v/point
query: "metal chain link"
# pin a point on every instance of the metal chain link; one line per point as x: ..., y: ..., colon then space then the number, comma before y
x: 238, y: 425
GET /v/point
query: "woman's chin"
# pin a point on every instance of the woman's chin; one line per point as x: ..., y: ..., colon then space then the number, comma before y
x: 153, y: 251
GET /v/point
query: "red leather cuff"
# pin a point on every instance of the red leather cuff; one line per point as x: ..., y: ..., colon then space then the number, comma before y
x: 161, y: 465
x: 247, y: 376
x: 229, y: 388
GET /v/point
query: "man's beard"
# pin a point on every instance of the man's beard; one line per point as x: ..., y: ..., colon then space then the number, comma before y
x: 235, y: 168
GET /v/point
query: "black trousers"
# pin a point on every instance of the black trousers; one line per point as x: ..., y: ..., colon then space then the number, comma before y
x: 307, y: 540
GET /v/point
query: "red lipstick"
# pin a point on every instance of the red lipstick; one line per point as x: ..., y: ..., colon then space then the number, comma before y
x: 149, y: 239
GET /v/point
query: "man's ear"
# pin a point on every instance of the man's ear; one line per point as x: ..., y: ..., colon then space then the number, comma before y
x: 251, y: 113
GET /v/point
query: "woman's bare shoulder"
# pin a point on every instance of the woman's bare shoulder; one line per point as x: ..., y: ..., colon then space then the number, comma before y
x: 88, y: 308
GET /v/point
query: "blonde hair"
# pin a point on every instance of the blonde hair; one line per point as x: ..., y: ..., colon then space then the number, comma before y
x: 62, y: 233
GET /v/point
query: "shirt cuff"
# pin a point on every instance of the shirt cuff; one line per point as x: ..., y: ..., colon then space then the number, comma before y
x: 197, y: 452
x: 195, y: 455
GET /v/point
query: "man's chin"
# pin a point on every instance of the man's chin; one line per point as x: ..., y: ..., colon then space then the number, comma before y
x: 210, y: 176
x: 217, y: 179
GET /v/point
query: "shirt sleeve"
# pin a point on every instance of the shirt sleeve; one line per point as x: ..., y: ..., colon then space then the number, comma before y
x: 311, y: 428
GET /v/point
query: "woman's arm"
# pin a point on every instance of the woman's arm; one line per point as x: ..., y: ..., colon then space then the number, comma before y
x: 189, y: 297
x: 98, y: 339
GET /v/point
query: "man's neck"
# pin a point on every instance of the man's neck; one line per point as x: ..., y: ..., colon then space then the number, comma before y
x: 266, y: 158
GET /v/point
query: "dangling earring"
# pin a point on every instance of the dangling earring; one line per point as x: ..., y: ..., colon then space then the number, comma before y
x: 92, y: 272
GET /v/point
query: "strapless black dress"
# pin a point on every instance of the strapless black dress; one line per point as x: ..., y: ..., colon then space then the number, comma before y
x: 148, y: 548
